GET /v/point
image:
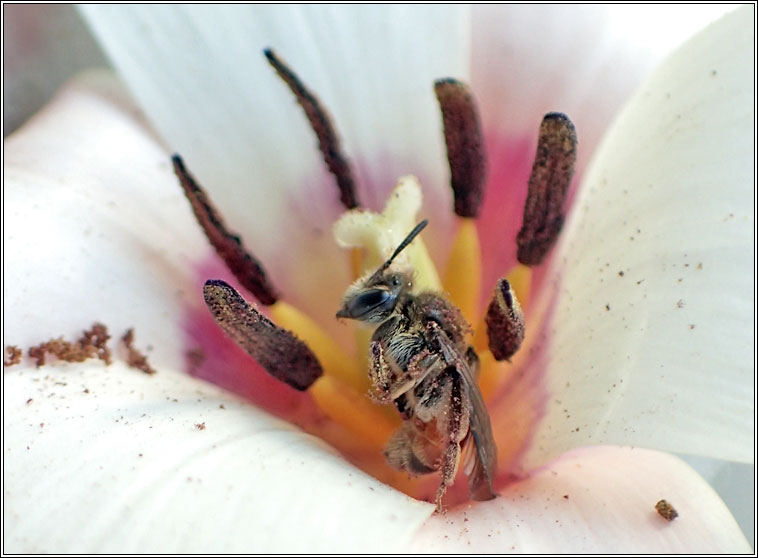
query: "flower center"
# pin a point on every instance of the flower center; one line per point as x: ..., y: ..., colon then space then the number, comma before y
x: 431, y: 371
x: 364, y: 427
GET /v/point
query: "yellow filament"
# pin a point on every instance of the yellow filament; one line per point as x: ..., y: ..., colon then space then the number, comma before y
x: 463, y: 276
x: 491, y: 373
x: 520, y: 278
x: 335, y: 362
x: 361, y: 417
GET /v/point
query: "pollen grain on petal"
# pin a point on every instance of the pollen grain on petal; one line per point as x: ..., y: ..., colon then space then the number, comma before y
x: 14, y: 355
x: 282, y: 354
x: 248, y: 270
x: 548, y: 187
x: 134, y: 358
x: 666, y: 510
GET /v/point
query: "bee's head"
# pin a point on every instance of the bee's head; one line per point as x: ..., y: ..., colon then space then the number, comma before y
x: 373, y: 298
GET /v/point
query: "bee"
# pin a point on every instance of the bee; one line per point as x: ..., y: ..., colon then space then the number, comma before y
x: 420, y: 361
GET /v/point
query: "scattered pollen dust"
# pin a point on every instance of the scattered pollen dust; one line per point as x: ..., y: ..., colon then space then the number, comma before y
x: 14, y: 355
x: 196, y: 357
x: 134, y: 358
x: 92, y: 344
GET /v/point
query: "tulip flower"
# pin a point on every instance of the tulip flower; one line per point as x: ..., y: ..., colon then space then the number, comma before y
x: 637, y: 343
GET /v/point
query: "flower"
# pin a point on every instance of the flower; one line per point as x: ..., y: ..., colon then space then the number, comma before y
x: 224, y: 496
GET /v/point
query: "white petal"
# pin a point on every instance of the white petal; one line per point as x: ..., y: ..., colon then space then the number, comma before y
x: 199, y: 73
x: 652, y: 342
x: 96, y: 226
x: 125, y: 468
x: 733, y: 482
x: 597, y: 500
x: 97, y: 229
x: 581, y: 60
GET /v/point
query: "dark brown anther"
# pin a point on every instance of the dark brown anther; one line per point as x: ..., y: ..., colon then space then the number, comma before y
x: 243, y: 265
x: 282, y: 354
x: 328, y: 142
x: 548, y: 187
x: 505, y: 322
x: 465, y: 146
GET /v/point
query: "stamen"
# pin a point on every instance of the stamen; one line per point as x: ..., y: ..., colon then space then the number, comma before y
x: 548, y: 187
x: 328, y: 141
x: 282, y: 354
x: 242, y: 264
x: 465, y: 146
x: 505, y: 322
x: 520, y: 279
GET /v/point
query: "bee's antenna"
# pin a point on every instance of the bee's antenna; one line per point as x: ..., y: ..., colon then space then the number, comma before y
x: 403, y: 245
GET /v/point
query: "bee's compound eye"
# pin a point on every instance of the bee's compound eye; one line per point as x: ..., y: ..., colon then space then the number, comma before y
x: 371, y: 299
x: 396, y: 281
x: 369, y: 306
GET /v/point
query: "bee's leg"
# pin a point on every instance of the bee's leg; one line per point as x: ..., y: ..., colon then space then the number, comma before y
x: 449, y: 469
x: 380, y: 372
x: 389, y: 380
x: 452, y: 424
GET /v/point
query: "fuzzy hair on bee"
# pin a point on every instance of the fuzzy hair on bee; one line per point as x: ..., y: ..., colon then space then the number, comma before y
x: 420, y: 361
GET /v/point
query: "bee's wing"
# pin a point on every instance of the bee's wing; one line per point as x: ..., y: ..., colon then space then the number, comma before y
x: 484, y: 451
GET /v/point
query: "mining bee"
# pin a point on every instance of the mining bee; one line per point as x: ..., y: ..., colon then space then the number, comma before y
x: 421, y: 362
